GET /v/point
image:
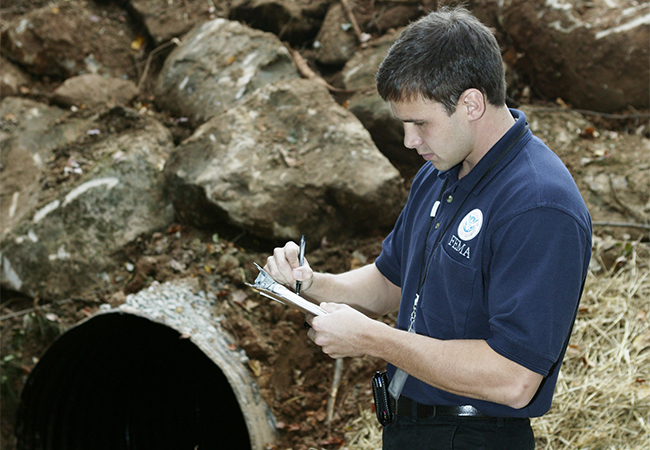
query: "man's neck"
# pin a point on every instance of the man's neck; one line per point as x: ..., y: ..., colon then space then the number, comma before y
x: 494, y: 124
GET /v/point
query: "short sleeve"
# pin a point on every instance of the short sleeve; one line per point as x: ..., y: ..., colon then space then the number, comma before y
x: 539, y: 261
x: 388, y: 261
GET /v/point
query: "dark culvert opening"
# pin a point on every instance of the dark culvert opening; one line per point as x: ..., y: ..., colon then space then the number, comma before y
x: 121, y: 381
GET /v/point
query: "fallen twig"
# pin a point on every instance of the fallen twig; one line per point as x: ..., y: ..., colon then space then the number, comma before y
x: 309, y: 74
x: 32, y: 309
x: 338, y: 370
x: 37, y: 307
x: 353, y: 20
x: 626, y: 209
x: 160, y: 48
x: 622, y: 224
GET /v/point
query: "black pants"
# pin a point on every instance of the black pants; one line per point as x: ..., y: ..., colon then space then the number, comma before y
x: 458, y: 433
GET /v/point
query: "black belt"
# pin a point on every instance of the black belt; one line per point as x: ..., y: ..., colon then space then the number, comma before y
x: 411, y: 408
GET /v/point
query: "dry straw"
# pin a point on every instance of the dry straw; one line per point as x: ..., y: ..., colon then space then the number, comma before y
x: 602, y: 399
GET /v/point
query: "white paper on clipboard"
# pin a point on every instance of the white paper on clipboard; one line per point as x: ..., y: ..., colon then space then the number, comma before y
x: 268, y: 287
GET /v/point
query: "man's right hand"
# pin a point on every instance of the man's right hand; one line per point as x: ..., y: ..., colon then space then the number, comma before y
x: 284, y: 266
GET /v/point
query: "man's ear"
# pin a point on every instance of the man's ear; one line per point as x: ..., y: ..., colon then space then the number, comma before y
x: 473, y: 103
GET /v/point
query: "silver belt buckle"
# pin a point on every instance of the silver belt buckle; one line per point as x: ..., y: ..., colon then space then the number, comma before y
x: 468, y: 411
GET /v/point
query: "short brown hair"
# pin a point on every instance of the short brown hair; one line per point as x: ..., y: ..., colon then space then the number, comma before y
x: 439, y: 57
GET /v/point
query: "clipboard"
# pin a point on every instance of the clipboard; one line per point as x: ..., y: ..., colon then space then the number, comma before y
x: 268, y: 287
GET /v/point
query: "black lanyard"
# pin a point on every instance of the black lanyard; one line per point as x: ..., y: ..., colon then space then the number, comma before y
x: 434, y: 211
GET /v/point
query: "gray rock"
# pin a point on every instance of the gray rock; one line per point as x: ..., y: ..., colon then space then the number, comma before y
x: 12, y: 78
x: 336, y: 41
x: 400, y: 14
x: 79, y: 226
x: 288, y: 160
x: 72, y: 38
x: 216, y: 66
x: 92, y: 90
x: 168, y: 19
x: 387, y: 132
x: 31, y: 133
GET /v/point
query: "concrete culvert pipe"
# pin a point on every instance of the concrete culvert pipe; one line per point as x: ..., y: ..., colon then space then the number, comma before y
x: 156, y: 373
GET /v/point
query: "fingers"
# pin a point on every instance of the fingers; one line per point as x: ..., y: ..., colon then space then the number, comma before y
x: 292, y: 254
x: 318, y: 330
x: 311, y: 334
x: 284, y: 265
x: 323, y: 340
x: 340, y: 332
x: 280, y: 265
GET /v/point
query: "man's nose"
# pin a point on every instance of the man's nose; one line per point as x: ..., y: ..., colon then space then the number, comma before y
x: 411, y: 138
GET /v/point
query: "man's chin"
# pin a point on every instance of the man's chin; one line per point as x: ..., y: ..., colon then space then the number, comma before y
x: 439, y: 166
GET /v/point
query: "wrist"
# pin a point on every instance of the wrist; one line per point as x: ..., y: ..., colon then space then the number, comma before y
x: 373, y: 338
x: 313, y: 288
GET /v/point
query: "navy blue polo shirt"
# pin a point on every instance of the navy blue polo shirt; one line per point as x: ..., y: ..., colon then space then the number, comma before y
x: 512, y: 246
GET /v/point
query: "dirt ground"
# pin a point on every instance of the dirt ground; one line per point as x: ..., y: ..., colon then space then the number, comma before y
x: 294, y: 376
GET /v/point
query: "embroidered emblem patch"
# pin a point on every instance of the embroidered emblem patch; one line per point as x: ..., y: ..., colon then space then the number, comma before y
x: 470, y: 225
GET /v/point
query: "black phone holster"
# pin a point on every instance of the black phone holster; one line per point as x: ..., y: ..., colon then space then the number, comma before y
x: 382, y: 398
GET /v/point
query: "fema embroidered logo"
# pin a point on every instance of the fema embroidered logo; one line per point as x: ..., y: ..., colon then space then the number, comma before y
x: 470, y: 225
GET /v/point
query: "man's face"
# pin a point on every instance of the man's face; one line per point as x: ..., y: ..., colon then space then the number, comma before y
x: 443, y: 140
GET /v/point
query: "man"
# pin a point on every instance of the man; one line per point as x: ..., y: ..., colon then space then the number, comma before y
x: 486, y: 262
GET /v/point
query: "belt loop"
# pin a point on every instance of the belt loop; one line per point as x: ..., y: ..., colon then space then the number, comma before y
x: 501, y: 422
x: 414, y: 410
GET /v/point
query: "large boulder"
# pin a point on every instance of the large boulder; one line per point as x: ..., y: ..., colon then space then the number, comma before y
x: 168, y: 19
x: 293, y: 21
x: 288, y: 160
x: 109, y: 191
x: 336, y: 42
x: 592, y: 54
x: 12, y: 79
x: 70, y: 38
x: 399, y: 14
x: 29, y: 136
x: 374, y: 113
x: 93, y: 90
x: 218, y: 63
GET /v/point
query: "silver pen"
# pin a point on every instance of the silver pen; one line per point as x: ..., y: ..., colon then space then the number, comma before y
x: 301, y: 260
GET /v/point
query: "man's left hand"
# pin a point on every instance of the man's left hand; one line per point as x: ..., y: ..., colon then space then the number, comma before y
x: 341, y: 333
